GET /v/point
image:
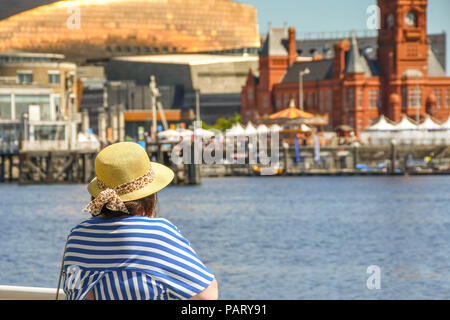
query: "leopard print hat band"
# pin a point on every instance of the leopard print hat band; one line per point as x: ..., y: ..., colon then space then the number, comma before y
x: 111, y: 196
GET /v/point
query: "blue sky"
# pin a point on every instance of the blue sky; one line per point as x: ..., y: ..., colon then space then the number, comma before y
x: 337, y: 15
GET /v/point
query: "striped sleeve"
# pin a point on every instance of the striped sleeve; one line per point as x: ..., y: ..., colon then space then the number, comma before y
x: 188, y: 276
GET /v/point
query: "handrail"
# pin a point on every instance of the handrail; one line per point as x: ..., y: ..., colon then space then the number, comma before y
x: 29, y: 293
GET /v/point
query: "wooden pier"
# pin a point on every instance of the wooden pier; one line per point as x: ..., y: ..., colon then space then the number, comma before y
x: 8, y: 161
x: 350, y: 160
x: 51, y: 167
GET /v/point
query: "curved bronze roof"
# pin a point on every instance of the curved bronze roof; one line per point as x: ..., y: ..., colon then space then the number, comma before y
x: 90, y: 29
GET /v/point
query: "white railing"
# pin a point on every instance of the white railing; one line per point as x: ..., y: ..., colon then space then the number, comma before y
x: 29, y: 293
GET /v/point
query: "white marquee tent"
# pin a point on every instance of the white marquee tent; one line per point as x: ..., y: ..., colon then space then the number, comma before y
x: 250, y: 130
x: 429, y: 124
x: 383, y: 124
x: 406, y: 124
x: 407, y: 131
x: 235, y: 130
x: 262, y: 128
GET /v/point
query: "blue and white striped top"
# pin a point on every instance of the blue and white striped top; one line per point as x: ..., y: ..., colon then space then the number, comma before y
x: 129, y: 258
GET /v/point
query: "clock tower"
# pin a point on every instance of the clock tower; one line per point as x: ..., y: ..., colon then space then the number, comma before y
x: 402, y: 39
x: 402, y: 48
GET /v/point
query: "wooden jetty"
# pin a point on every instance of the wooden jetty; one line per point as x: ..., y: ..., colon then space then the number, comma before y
x: 8, y: 161
x: 49, y: 167
x: 350, y: 160
x: 53, y: 167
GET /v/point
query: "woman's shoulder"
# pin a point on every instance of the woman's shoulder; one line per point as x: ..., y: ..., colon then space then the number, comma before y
x: 128, y: 221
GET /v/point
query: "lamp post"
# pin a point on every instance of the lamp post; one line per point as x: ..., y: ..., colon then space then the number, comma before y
x: 418, y: 102
x: 300, y: 94
x: 197, y: 105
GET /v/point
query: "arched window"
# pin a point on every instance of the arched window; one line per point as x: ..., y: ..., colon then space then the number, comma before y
x: 390, y: 21
x: 411, y: 19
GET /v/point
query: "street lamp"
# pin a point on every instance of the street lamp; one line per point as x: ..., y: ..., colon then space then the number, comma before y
x: 197, y: 104
x: 300, y: 94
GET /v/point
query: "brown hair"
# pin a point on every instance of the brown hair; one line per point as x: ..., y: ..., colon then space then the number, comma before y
x: 140, y: 207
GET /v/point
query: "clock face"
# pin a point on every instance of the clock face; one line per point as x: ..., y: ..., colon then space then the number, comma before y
x: 410, y: 19
x: 390, y: 21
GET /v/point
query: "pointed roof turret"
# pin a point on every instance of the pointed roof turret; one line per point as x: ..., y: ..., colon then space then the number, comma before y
x: 355, y: 61
x: 276, y: 43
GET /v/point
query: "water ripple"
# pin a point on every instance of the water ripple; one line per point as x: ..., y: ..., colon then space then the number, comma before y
x: 266, y: 238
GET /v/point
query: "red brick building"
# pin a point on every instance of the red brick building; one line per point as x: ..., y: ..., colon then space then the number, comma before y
x: 403, y: 75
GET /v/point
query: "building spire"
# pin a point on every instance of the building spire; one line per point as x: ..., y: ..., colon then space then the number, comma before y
x: 355, y: 62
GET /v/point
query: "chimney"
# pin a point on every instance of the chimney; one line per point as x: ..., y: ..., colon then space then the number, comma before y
x: 339, y: 57
x: 292, y: 46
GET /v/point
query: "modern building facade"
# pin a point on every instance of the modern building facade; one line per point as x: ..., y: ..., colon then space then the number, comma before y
x: 212, y: 81
x: 44, y: 89
x: 98, y: 29
x: 354, y: 84
x: 119, y: 110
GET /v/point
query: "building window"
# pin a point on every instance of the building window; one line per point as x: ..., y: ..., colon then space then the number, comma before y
x: 360, y: 98
x: 278, y: 101
x: 374, y: 99
x: 25, y: 76
x: 309, y: 99
x: 390, y: 21
x: 23, y: 101
x: 250, y: 93
x: 51, y: 133
x: 321, y: 101
x: 359, y: 124
x: 404, y: 99
x: 414, y: 98
x: 437, y: 94
x: 56, y: 108
x: 447, y: 98
x: 5, y: 107
x: 265, y: 102
x: 344, y: 100
x: 351, y: 98
x: 329, y: 100
x: 54, y: 77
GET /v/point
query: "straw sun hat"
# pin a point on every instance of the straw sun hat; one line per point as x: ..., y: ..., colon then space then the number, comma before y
x: 124, y: 173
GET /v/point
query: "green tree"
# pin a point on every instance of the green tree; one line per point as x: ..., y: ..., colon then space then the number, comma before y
x: 223, y: 124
